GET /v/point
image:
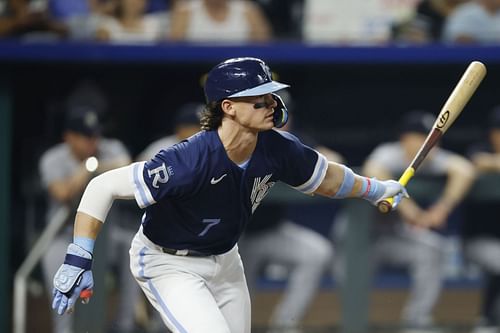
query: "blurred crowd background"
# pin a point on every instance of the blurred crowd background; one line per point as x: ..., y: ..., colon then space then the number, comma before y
x: 371, y: 22
x: 365, y: 75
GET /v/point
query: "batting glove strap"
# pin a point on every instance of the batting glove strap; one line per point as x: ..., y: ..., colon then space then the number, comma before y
x: 78, y: 261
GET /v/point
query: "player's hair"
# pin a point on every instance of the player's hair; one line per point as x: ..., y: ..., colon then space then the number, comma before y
x: 211, y: 117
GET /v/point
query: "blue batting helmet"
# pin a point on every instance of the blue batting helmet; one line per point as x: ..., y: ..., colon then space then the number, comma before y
x: 238, y: 77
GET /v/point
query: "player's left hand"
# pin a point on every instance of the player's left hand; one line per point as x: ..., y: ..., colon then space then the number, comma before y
x: 73, y: 278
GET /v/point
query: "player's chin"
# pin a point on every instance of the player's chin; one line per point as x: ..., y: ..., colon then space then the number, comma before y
x: 268, y: 122
x: 267, y: 125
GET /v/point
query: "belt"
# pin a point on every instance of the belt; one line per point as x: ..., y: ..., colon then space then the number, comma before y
x: 185, y: 253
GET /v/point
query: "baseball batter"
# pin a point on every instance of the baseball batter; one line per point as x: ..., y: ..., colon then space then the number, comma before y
x: 198, y: 196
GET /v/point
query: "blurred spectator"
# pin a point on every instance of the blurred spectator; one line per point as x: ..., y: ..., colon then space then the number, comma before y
x: 28, y: 19
x: 221, y: 21
x: 63, y: 9
x: 65, y: 169
x: 131, y: 24
x: 482, y: 234
x: 186, y: 123
x: 426, y: 26
x: 477, y: 21
x: 353, y: 21
x: 80, y: 17
x: 273, y: 238
x: 160, y: 5
x: 285, y: 17
x: 412, y: 237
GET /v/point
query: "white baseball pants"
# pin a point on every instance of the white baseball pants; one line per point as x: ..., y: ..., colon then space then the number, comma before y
x: 193, y: 294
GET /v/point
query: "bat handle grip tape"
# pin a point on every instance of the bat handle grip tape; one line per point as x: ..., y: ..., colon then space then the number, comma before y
x: 385, y: 206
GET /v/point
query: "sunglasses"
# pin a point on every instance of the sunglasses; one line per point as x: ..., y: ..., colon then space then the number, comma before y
x: 262, y: 105
x: 259, y: 105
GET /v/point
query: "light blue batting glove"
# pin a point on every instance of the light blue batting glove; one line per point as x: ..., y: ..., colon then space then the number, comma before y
x: 378, y: 190
x: 72, y: 278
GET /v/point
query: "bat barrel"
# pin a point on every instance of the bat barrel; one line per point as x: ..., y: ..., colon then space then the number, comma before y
x: 462, y: 93
x: 454, y: 105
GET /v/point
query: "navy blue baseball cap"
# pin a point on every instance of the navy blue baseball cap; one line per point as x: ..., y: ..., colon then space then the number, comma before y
x: 83, y: 120
x: 239, y: 77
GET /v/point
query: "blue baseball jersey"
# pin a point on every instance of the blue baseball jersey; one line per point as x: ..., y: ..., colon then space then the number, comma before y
x: 197, y: 198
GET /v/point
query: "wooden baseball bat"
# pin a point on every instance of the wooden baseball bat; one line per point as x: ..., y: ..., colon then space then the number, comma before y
x: 454, y: 105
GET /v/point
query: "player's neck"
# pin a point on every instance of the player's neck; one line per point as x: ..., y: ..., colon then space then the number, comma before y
x: 239, y: 144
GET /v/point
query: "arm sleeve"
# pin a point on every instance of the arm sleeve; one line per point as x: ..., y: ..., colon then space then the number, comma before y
x: 104, y: 189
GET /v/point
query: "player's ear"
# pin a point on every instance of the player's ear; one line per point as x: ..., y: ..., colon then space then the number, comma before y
x: 227, y: 106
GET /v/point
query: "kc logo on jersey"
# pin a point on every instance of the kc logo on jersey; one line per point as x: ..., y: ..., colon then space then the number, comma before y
x: 261, y: 187
x: 161, y: 174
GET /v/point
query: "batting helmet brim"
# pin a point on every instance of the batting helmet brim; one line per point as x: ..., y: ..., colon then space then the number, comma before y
x: 263, y: 89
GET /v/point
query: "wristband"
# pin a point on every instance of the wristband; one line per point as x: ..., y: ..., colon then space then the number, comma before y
x: 347, y: 184
x: 365, y: 187
x: 372, y: 189
x: 85, y: 243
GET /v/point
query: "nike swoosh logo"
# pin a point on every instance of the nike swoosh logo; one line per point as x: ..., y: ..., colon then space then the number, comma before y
x: 214, y: 181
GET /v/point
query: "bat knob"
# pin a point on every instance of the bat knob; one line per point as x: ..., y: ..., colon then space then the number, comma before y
x: 85, y: 295
x: 384, y: 206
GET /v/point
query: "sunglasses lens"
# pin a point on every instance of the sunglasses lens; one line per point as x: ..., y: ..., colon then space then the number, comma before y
x: 260, y: 105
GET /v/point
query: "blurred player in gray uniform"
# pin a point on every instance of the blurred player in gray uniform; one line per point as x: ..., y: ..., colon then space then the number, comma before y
x: 66, y: 169
x: 411, y: 237
x: 482, y: 234
x: 272, y: 237
x: 199, y: 195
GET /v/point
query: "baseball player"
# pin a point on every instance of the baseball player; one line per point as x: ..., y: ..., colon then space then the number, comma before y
x: 198, y: 196
x: 186, y: 122
x: 276, y: 236
x: 65, y: 170
x: 480, y: 234
x: 413, y: 238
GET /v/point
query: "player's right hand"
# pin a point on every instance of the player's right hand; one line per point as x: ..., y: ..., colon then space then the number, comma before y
x: 72, y: 278
x: 384, y: 189
x: 395, y: 190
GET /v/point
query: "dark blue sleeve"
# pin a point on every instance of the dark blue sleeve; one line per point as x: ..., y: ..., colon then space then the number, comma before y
x: 300, y: 166
x: 169, y: 174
